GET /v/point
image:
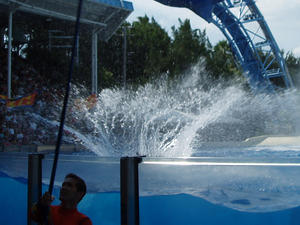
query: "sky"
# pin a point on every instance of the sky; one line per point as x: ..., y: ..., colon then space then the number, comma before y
x: 282, y: 16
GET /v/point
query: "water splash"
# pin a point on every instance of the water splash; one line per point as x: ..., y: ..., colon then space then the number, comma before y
x: 173, y: 119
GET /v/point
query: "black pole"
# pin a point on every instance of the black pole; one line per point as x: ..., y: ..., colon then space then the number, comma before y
x: 124, y: 56
x: 66, y: 98
x: 34, y: 191
x: 130, y: 190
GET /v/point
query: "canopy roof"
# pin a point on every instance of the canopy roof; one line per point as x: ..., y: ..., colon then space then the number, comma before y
x: 106, y: 15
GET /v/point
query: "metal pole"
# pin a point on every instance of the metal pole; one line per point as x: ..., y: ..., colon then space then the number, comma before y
x: 77, y: 52
x: 34, y: 182
x: 9, y: 54
x: 50, y: 37
x: 130, y: 191
x: 124, y: 56
x: 94, y: 61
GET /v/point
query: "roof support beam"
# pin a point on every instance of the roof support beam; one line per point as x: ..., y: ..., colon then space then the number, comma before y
x: 10, y: 17
x: 94, y: 61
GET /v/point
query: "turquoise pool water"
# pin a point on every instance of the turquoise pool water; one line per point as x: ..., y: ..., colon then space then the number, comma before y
x: 191, y: 192
x: 104, y: 208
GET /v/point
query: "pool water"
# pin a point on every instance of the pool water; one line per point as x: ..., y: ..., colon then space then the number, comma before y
x: 179, y: 209
x: 178, y: 191
x: 186, y: 209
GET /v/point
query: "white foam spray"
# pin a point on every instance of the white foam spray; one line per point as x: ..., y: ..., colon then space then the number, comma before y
x: 173, y: 119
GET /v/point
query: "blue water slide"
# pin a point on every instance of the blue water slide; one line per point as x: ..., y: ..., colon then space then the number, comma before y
x: 242, y: 49
x: 202, y: 8
x: 249, y: 37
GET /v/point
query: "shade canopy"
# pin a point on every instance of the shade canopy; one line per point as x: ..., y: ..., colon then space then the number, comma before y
x: 103, y: 17
x: 106, y: 15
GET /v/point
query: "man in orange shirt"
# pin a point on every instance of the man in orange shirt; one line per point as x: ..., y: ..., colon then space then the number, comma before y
x: 72, y: 191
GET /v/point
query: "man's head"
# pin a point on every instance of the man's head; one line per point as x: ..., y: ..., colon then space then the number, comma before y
x: 73, y: 189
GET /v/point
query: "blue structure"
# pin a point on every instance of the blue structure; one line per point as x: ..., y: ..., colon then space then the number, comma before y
x: 249, y: 37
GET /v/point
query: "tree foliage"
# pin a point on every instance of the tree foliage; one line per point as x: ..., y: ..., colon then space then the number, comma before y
x: 151, y: 52
x: 221, y: 63
x: 293, y: 64
x: 187, y: 47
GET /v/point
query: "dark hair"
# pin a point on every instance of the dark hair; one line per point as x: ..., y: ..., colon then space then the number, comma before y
x: 80, y: 184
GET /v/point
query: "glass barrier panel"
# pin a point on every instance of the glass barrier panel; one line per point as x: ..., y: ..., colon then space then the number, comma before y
x: 102, y: 176
x: 13, y: 194
x: 215, y: 191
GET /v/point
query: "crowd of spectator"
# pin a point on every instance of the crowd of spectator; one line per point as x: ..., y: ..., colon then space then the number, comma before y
x: 22, y: 125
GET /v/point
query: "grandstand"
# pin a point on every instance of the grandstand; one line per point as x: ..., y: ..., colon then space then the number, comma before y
x: 103, y: 17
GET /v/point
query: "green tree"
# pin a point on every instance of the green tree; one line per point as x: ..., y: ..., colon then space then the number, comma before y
x: 220, y: 62
x: 149, y: 50
x: 187, y: 47
x: 111, y: 59
x: 293, y: 64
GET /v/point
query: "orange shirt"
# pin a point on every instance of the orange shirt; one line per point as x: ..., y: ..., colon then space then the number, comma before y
x: 61, y: 216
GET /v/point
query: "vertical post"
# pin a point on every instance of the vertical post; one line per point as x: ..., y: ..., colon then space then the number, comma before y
x: 130, y: 191
x: 124, y: 56
x: 94, y: 61
x: 34, y: 182
x: 50, y: 39
x: 77, y: 52
x: 2, y: 31
x: 9, y: 53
